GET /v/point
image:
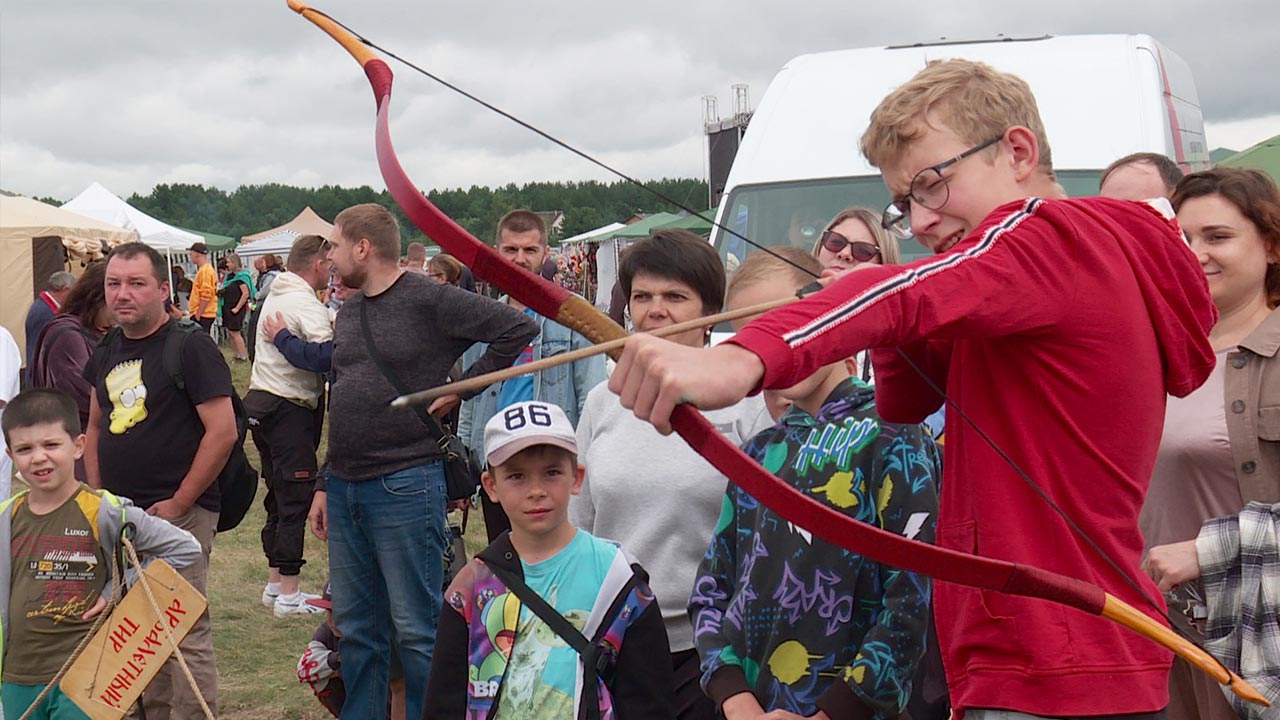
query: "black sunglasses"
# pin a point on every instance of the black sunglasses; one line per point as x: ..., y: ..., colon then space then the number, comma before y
x: 834, y: 242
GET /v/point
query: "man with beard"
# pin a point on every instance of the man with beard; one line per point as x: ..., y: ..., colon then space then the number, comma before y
x: 385, y: 510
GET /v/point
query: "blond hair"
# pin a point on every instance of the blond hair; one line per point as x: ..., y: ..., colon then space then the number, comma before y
x: 791, y: 264
x: 973, y: 99
x: 890, y: 253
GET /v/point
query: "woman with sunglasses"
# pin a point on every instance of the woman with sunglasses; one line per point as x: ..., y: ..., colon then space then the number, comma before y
x: 1220, y: 449
x: 854, y: 237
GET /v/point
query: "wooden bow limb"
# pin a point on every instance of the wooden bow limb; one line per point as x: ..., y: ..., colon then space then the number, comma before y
x: 480, y: 382
x: 1122, y: 612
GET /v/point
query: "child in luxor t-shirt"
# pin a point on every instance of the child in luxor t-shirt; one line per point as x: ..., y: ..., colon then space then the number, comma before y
x: 58, y: 543
x: 492, y: 648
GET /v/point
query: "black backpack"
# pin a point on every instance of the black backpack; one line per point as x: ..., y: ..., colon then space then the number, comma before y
x: 238, y: 481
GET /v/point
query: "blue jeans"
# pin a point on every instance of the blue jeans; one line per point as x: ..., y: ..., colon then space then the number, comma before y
x: 386, y: 566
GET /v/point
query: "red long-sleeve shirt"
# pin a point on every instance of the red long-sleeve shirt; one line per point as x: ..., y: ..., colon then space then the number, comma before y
x: 1058, y: 327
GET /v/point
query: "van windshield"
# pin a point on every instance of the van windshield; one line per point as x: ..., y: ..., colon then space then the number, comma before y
x: 794, y: 213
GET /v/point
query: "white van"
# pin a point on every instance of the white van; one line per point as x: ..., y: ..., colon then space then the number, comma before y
x: 1101, y: 97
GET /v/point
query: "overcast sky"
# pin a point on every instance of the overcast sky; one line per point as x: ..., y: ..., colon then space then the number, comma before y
x: 132, y: 93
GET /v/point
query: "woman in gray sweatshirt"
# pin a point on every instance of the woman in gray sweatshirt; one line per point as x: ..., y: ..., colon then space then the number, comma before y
x: 652, y: 493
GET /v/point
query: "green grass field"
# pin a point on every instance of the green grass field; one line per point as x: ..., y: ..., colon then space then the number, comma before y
x: 257, y: 653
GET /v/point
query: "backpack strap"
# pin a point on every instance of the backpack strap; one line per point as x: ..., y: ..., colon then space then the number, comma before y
x: 593, y: 660
x: 100, y: 350
x: 174, y: 344
x: 173, y: 348
x: 111, y: 545
x: 12, y: 502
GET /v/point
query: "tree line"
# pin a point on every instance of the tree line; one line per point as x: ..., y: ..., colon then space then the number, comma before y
x: 253, y: 208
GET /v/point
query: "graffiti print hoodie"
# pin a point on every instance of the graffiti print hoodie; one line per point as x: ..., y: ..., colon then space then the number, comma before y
x: 799, y: 622
x: 1059, y: 327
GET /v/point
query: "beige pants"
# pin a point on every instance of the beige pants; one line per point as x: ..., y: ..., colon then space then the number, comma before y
x: 169, y: 696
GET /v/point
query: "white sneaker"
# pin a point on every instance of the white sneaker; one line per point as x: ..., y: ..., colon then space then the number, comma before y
x: 298, y: 607
x: 268, y: 597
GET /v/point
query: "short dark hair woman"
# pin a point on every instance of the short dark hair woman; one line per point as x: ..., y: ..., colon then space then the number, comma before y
x: 672, y: 274
x: 649, y: 492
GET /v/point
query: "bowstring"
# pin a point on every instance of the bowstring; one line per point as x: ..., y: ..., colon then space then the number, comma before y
x: 562, y: 144
x: 948, y: 402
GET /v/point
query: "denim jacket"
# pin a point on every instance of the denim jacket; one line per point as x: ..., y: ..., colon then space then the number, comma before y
x: 566, y: 386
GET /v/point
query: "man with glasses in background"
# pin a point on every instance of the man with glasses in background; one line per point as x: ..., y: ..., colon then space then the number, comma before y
x: 1059, y: 326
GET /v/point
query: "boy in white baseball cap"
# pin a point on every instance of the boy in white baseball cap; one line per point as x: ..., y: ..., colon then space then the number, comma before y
x: 548, y: 621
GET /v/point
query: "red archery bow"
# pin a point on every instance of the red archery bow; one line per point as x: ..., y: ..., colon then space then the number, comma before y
x: 572, y: 311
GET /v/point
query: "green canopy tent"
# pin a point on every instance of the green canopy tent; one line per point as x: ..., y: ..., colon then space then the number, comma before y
x: 700, y: 224
x: 216, y: 243
x: 697, y: 224
x: 638, y: 229
x: 1264, y: 156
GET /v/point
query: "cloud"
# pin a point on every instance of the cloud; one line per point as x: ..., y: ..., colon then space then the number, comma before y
x: 1241, y: 134
x: 243, y: 91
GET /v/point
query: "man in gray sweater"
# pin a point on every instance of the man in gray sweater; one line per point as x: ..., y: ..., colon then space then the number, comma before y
x: 385, y: 503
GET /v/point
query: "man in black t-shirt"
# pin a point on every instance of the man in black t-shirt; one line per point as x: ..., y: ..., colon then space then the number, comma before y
x: 162, y: 445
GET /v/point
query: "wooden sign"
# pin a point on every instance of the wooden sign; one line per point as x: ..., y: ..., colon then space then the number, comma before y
x: 109, y: 675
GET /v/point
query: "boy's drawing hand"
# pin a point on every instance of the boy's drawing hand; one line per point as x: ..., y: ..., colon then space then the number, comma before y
x: 92, y: 612
x: 654, y: 375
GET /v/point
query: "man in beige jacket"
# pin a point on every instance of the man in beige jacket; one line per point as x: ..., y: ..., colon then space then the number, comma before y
x: 286, y: 411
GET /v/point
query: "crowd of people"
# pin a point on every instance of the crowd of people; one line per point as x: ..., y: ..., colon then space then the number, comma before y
x: 1121, y: 351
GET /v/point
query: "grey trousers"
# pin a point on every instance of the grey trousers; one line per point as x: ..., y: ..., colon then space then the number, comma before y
x: 169, y: 696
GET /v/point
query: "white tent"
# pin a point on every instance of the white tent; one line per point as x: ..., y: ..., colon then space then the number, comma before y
x: 35, y: 240
x: 279, y: 240
x: 583, y: 237
x: 100, y: 203
x: 278, y: 243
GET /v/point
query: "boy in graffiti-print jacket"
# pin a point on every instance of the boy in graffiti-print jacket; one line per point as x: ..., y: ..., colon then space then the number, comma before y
x: 784, y: 620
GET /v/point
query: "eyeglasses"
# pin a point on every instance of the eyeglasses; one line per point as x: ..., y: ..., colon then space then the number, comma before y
x: 928, y: 189
x: 833, y: 242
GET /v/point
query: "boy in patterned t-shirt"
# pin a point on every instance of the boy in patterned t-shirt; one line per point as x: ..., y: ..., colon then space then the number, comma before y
x: 495, y: 656
x: 57, y: 544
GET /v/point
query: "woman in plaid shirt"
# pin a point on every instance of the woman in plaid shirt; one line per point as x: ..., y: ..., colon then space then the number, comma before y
x: 1212, y: 514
